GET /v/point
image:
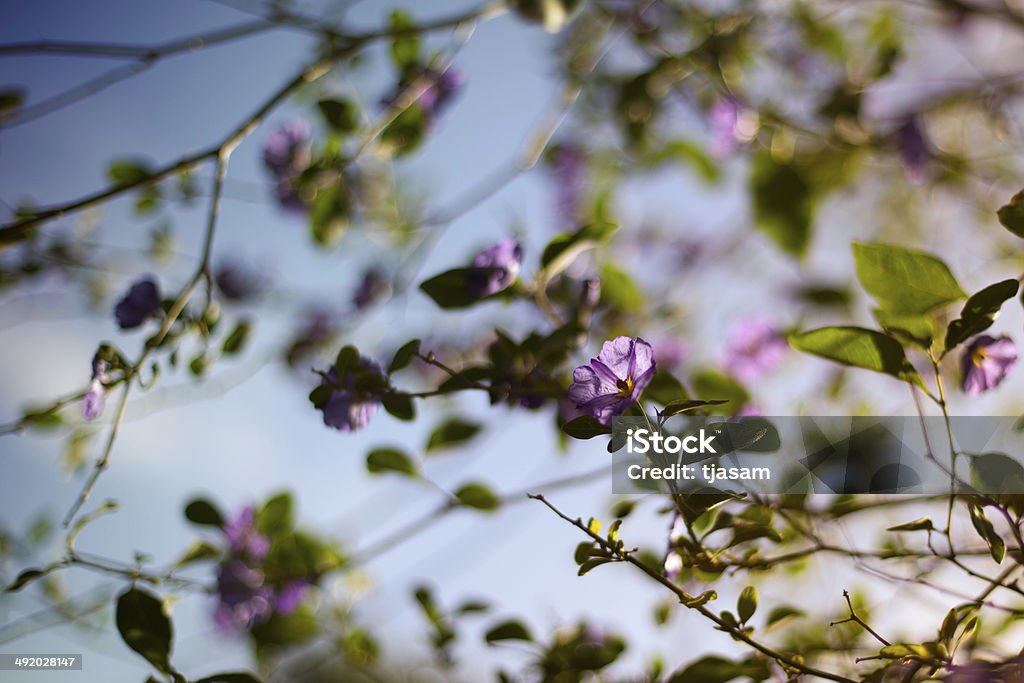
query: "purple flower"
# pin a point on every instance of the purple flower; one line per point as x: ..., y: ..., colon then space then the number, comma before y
x: 724, y: 119
x: 245, y: 600
x: 346, y: 408
x: 496, y: 268
x: 95, y: 397
x: 372, y: 287
x: 141, y: 303
x: 987, y: 362
x: 237, y: 282
x: 286, y: 154
x: 614, y: 380
x: 242, y: 536
x: 913, y: 149
x: 290, y: 596
x: 568, y: 168
x: 440, y: 93
x: 754, y: 348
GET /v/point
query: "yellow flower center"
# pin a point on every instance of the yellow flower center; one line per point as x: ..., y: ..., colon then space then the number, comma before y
x: 625, y: 386
x: 978, y: 356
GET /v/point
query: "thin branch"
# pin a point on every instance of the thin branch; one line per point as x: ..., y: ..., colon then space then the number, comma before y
x: 854, y: 618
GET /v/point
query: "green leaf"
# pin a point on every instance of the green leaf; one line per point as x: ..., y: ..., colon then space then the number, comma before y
x: 404, y: 355
x: 904, y: 280
x: 204, y: 513
x: 330, y: 214
x: 452, y: 288
x: 980, y: 312
x: 452, y: 432
x: 390, y: 460
x: 721, y: 390
x: 399, y: 405
x: 230, y: 677
x: 23, y: 579
x: 286, y: 629
x: 236, y: 340
x: 686, y: 405
x: 922, y: 524
x: 405, y: 46
x: 860, y: 348
x: 198, y: 552
x: 585, y: 427
x: 746, y: 605
x: 782, y: 613
x: 592, y: 563
x: 996, y: 474
x: 127, y: 171
x: 1012, y: 215
x: 910, y: 328
x: 478, y: 496
x: 996, y: 545
x: 563, y: 249
x: 340, y: 115
x: 508, y: 630
x: 10, y: 101
x: 710, y: 669
x: 783, y: 203
x: 144, y: 627
x: 619, y: 289
x: 277, y: 516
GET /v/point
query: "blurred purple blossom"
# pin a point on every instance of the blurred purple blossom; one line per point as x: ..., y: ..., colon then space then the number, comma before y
x: 290, y: 596
x: 244, y: 598
x: 724, y: 120
x: 372, y: 287
x: 568, y: 170
x: 286, y: 154
x: 95, y: 397
x: 496, y: 268
x: 754, y: 348
x: 669, y: 352
x: 436, y: 97
x: 139, y: 304
x: 243, y: 537
x: 347, y: 409
x: 614, y: 380
x: 987, y: 362
x: 240, y: 282
x: 913, y: 150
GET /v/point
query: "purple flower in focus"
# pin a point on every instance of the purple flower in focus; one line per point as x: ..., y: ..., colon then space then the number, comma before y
x: 987, y: 362
x: 496, y: 268
x: 245, y: 600
x: 372, y: 287
x: 286, y: 154
x: 614, y: 380
x: 242, y: 536
x: 141, y: 303
x: 754, y: 348
x: 347, y: 409
x: 568, y: 168
x: 95, y: 397
x: 913, y: 149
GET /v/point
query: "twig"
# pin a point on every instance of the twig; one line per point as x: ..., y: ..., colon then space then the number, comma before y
x: 854, y: 618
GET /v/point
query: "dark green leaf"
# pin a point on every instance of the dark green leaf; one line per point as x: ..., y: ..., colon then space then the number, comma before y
x: 144, y: 627
x: 286, y: 629
x: 399, y: 405
x: 330, y: 214
x: 858, y: 347
x: 508, y: 630
x: 780, y: 614
x: 563, y: 249
x: 405, y: 46
x: 592, y: 563
x: 452, y: 288
x: 235, y: 341
x: 904, y: 280
x: 452, y: 432
x: 478, y: 496
x: 340, y: 115
x: 10, y: 101
x: 922, y: 524
x: 910, y: 328
x: 203, y: 512
x: 404, y: 355
x: 127, y: 171
x: 746, y: 605
x: 23, y: 579
x: 996, y: 545
x: 980, y: 312
x: 710, y: 669
x: 390, y: 460
x: 231, y: 677
x: 585, y: 427
x: 996, y: 474
x: 277, y: 516
x: 1012, y: 215
x: 687, y: 405
x: 783, y: 203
